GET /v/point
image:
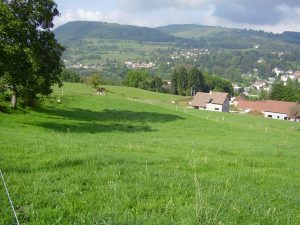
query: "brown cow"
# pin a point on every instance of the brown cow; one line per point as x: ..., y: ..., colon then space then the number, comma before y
x: 101, y: 91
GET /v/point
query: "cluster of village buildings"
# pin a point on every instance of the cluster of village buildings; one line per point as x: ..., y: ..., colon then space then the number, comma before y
x: 137, y: 65
x: 192, y: 53
x: 266, y: 84
x: 82, y: 66
x: 129, y: 64
x: 220, y: 102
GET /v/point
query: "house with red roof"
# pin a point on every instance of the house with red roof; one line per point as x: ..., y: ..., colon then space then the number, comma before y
x: 270, y: 108
x: 213, y: 101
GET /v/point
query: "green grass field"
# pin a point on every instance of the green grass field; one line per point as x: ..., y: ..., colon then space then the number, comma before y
x: 132, y: 157
x: 95, y: 51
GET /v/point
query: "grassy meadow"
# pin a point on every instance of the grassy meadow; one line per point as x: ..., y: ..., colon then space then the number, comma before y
x: 87, y: 51
x: 133, y: 157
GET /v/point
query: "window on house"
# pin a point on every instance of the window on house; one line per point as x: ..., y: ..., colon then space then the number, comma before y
x: 277, y: 117
x: 217, y: 109
x: 270, y: 116
x: 285, y: 118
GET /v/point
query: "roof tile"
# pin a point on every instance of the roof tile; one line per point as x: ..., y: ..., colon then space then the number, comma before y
x: 266, y: 106
x: 201, y: 98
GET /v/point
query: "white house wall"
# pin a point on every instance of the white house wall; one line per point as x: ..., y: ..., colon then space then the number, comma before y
x: 279, y: 116
x: 214, y: 107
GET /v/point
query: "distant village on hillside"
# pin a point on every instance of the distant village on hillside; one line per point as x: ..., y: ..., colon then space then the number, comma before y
x: 266, y: 84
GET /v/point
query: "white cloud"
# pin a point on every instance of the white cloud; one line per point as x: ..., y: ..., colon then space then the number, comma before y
x: 152, y: 5
x: 149, y: 19
x: 87, y: 15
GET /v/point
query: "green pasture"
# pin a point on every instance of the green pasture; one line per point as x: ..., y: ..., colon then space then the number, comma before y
x: 134, y: 157
x: 93, y: 51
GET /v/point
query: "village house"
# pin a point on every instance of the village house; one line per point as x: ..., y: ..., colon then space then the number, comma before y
x: 237, y: 88
x: 293, y: 77
x: 167, y: 84
x: 297, y: 73
x: 136, y: 65
x: 261, y: 60
x: 277, y: 71
x: 213, y: 101
x: 269, y: 108
x: 260, y: 84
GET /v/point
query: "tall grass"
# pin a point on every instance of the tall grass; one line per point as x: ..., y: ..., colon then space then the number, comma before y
x: 118, y: 159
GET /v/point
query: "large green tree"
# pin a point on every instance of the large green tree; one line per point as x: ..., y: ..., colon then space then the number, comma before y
x: 138, y: 79
x: 30, y: 60
x: 174, y: 82
x: 182, y: 81
x: 69, y: 75
x: 214, y: 83
x: 195, y: 81
x: 289, y: 92
x: 295, y: 112
x: 156, y: 83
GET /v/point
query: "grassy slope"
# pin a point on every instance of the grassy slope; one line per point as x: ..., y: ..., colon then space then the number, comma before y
x: 194, y: 31
x: 76, y: 30
x: 119, y: 50
x: 120, y: 160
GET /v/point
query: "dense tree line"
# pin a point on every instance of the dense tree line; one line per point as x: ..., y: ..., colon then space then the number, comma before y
x: 188, y: 81
x: 289, y: 92
x: 142, y: 79
x: 69, y: 75
x: 73, y: 30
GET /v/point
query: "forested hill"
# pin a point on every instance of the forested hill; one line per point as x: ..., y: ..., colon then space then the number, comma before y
x: 82, y: 29
x: 212, y: 33
x: 188, y: 35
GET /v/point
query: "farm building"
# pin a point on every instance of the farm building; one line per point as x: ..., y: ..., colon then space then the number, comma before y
x: 213, y: 101
x: 270, y: 108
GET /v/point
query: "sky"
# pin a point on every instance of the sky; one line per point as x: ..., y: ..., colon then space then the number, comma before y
x: 269, y: 15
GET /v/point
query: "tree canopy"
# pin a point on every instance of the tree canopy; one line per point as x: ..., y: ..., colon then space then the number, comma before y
x: 69, y: 75
x: 295, y: 111
x: 138, y: 79
x: 289, y: 92
x: 30, y: 60
x: 188, y: 81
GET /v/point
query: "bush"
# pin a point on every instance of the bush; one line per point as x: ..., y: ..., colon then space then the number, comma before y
x: 255, y: 113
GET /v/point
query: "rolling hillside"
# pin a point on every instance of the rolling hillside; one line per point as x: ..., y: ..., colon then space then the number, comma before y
x: 77, y: 30
x: 132, y: 157
x: 191, y: 30
x: 188, y: 35
x: 97, y: 46
x: 211, y: 32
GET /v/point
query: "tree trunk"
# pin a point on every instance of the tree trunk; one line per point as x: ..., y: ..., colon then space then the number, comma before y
x: 13, y: 103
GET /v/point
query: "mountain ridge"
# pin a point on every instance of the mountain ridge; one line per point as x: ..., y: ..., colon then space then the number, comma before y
x: 182, y: 30
x: 189, y: 35
x: 102, y: 30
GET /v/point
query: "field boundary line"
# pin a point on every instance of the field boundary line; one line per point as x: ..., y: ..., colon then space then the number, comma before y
x: 10, y: 201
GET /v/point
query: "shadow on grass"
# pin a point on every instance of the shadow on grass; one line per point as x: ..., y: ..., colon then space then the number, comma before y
x: 88, y: 121
x: 92, y: 128
x: 109, y: 115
